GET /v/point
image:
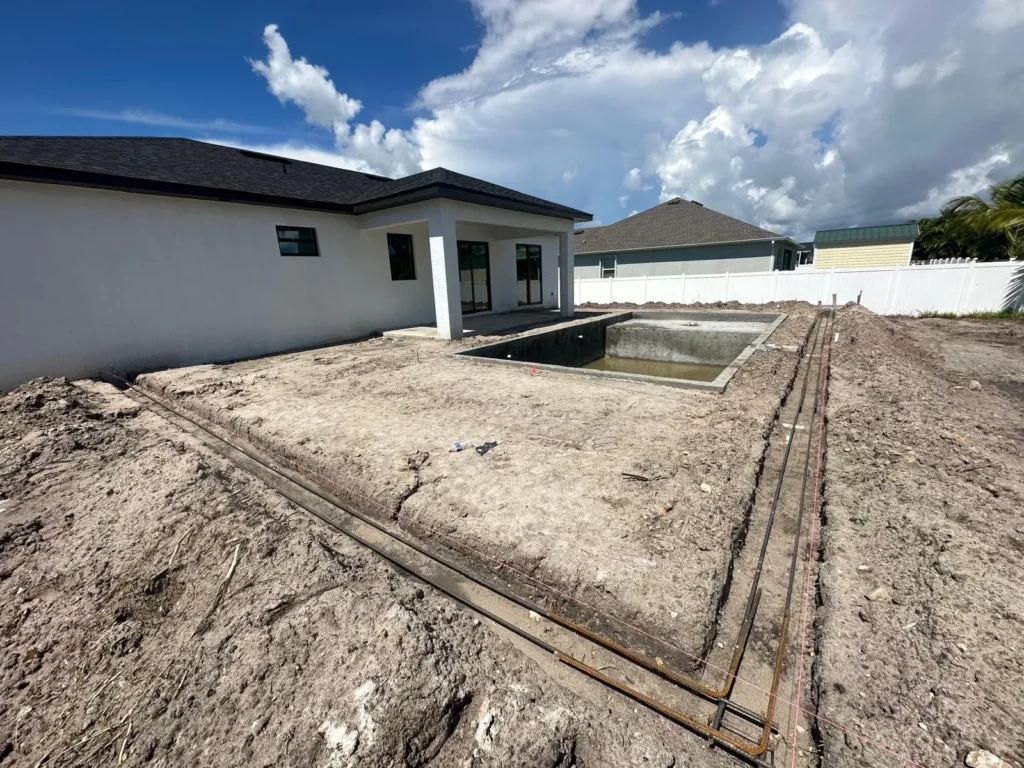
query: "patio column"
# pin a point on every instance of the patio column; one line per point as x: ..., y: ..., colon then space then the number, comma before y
x: 566, y: 268
x: 444, y: 267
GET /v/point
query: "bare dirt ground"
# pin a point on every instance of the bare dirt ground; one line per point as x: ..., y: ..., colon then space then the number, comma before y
x: 920, y: 646
x: 983, y: 350
x: 161, y: 606
x: 375, y: 420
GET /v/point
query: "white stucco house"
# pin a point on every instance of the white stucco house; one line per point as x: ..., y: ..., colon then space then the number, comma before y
x: 680, y: 237
x: 137, y: 253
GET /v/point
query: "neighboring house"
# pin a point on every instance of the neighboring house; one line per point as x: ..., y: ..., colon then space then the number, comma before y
x: 676, y: 237
x: 137, y: 253
x: 885, y: 246
x: 805, y: 256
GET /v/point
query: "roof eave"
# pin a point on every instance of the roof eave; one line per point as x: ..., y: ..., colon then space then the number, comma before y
x: 447, y: 192
x: 874, y: 241
x: 65, y: 177
x: 688, y: 245
x: 117, y: 183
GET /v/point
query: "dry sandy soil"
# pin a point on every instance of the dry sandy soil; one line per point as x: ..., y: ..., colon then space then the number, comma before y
x: 126, y: 630
x: 128, y: 635
x: 921, y: 626
x: 374, y: 421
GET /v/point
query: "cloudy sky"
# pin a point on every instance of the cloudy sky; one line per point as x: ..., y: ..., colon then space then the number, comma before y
x: 795, y: 115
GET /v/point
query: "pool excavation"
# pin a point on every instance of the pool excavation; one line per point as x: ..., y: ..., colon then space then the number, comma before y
x: 697, y: 350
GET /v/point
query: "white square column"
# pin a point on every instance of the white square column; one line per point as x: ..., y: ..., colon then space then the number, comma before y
x: 566, y: 273
x: 444, y: 268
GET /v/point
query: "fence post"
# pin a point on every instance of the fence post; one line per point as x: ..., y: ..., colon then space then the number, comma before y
x: 682, y: 288
x: 775, y: 286
x: 611, y: 292
x: 579, y: 285
x: 725, y: 292
x: 645, y: 289
x: 831, y: 286
x: 968, y: 274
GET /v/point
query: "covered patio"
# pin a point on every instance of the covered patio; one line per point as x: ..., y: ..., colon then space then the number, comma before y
x: 486, y: 262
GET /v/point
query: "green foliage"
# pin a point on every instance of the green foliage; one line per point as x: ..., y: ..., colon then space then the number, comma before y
x: 1015, y: 315
x: 971, y: 227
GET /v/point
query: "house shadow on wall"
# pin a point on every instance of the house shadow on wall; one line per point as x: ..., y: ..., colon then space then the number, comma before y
x: 1014, y: 298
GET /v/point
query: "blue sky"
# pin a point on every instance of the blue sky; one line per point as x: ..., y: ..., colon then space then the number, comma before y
x: 188, y: 59
x: 792, y: 115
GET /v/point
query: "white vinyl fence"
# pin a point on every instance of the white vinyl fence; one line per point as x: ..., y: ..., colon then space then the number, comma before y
x: 973, y: 287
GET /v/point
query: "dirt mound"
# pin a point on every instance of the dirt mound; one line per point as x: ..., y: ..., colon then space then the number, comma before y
x: 922, y: 616
x: 160, y: 605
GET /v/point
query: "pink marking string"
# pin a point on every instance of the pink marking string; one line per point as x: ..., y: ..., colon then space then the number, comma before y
x: 305, y: 470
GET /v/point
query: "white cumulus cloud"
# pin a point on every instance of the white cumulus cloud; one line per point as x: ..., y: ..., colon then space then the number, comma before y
x: 308, y: 86
x: 634, y: 179
x: 856, y: 113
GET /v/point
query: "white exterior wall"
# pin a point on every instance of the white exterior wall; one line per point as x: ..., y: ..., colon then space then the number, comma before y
x: 95, y: 279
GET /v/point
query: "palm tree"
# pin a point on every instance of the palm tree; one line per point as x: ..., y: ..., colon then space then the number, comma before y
x: 1004, y: 216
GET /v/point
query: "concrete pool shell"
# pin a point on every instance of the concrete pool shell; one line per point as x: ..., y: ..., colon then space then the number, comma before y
x: 374, y: 421
x: 721, y: 340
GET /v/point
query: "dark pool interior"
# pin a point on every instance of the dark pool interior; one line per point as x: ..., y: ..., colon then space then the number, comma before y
x: 695, y: 348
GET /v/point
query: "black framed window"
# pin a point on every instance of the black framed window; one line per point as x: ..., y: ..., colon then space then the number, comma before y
x: 403, y: 265
x: 607, y: 266
x: 297, y: 241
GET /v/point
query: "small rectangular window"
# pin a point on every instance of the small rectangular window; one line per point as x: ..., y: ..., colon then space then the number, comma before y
x: 403, y: 265
x: 297, y: 241
x: 607, y: 266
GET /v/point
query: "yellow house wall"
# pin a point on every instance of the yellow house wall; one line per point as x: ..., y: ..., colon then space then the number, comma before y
x: 871, y: 255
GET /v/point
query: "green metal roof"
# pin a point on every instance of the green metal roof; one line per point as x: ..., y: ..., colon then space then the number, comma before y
x: 875, y: 234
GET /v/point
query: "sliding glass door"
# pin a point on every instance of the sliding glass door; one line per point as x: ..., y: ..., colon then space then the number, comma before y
x: 474, y: 276
x: 528, y: 282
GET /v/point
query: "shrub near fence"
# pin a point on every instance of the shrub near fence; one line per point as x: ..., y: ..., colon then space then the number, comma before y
x: 959, y: 288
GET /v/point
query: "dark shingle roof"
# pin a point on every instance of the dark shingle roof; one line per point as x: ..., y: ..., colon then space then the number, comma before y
x: 195, y: 168
x: 675, y: 222
x: 860, y: 234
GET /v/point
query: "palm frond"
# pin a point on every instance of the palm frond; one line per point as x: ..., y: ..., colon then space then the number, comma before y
x: 1009, y: 192
x: 968, y: 204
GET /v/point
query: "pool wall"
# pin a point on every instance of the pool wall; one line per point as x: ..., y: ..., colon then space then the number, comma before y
x: 566, y: 346
x: 725, y: 338
x: 673, y: 345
